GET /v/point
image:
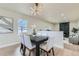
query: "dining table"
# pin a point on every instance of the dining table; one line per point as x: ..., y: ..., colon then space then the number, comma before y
x: 37, y: 40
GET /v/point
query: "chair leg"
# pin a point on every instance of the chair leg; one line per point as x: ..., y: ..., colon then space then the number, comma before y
x: 41, y: 51
x: 78, y: 43
x: 53, y: 51
x: 29, y: 53
x: 24, y: 51
x: 34, y: 51
x: 47, y: 53
x: 21, y: 48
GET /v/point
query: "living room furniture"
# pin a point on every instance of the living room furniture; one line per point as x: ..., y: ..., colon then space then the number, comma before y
x: 74, y: 39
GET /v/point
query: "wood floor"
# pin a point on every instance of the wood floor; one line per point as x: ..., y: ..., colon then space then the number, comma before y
x: 10, y: 51
x: 66, y: 51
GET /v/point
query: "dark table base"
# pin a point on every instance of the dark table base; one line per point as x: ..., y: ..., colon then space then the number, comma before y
x: 37, y: 50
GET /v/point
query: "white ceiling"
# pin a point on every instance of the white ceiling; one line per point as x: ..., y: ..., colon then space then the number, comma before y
x: 50, y: 11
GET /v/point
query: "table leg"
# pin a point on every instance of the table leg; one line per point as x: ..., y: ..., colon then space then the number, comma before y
x: 37, y: 50
x: 21, y: 47
x: 24, y: 51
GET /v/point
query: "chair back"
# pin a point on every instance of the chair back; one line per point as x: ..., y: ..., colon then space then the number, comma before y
x: 50, y: 42
x: 58, y: 41
x: 41, y: 33
x: 55, y: 39
x: 21, y: 37
x: 27, y: 41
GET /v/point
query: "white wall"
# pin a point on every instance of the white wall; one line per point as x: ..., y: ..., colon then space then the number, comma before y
x: 40, y: 24
x: 12, y: 37
x: 56, y: 27
x: 72, y: 24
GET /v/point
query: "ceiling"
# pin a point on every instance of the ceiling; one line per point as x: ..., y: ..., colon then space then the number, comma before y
x: 51, y: 12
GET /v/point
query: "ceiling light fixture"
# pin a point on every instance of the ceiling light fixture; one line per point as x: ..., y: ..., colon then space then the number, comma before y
x: 36, y: 9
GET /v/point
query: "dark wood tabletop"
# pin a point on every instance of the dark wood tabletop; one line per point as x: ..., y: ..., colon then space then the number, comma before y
x: 37, y: 40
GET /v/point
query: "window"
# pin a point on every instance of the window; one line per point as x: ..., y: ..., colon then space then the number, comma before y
x: 22, y: 25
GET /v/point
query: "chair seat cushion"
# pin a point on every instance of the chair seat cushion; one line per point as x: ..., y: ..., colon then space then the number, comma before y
x: 45, y: 47
x: 34, y: 46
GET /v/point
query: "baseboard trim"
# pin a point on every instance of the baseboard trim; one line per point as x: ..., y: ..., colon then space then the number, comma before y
x: 10, y: 44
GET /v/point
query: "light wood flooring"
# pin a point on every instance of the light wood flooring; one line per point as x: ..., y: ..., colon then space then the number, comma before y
x: 68, y: 50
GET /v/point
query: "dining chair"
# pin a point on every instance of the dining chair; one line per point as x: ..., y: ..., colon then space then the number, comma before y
x: 45, y: 44
x: 48, y: 47
x: 21, y: 37
x: 28, y: 45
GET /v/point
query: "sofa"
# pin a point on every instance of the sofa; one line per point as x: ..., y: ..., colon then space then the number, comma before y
x: 74, y: 39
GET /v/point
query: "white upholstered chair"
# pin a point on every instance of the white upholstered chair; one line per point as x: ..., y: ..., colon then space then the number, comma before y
x: 55, y: 39
x: 21, y: 37
x: 28, y: 45
x: 48, y: 47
